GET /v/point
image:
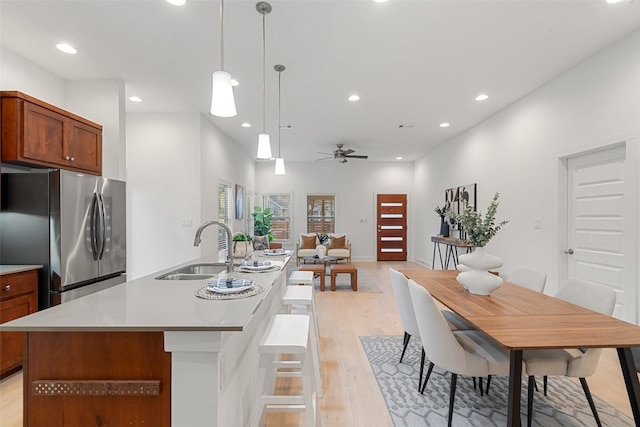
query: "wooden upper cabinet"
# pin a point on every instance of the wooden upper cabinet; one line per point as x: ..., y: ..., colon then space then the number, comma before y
x: 38, y: 134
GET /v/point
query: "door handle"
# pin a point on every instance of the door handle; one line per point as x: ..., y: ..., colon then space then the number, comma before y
x: 568, y: 251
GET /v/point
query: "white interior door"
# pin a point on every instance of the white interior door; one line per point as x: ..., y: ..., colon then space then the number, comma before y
x: 596, y: 248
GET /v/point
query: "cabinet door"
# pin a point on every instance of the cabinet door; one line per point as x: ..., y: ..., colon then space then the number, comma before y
x: 11, y: 342
x: 83, y: 148
x: 43, y: 134
x: 18, y: 297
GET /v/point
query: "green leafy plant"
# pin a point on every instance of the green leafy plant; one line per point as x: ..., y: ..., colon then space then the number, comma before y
x: 241, y: 237
x: 262, y: 222
x: 442, y: 212
x: 479, y: 230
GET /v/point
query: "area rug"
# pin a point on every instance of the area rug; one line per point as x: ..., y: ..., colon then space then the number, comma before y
x: 564, y: 406
x: 343, y: 281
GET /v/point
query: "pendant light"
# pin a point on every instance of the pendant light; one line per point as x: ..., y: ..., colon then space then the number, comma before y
x: 279, y: 160
x: 264, y: 142
x: 222, y: 102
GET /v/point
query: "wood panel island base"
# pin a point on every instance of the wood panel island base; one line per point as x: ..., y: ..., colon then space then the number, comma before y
x: 147, y: 353
x: 96, y: 378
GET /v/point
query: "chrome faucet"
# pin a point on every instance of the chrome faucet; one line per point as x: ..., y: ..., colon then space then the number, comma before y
x: 197, y: 240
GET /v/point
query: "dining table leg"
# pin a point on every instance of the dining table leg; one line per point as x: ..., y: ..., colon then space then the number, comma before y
x: 515, y: 388
x: 630, y: 375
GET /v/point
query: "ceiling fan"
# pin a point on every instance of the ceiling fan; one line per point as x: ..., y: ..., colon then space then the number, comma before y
x: 342, y: 155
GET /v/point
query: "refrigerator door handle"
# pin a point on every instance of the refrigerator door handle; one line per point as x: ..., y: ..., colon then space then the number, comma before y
x: 103, y: 226
x: 93, y: 226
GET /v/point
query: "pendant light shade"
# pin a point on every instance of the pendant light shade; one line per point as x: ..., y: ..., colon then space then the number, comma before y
x: 264, y: 146
x: 279, y: 160
x: 222, y: 102
x: 264, y: 142
x: 280, y: 166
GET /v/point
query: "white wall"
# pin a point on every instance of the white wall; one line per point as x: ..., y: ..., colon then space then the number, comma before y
x: 516, y: 152
x: 221, y: 160
x: 17, y: 73
x: 354, y: 184
x: 163, y: 190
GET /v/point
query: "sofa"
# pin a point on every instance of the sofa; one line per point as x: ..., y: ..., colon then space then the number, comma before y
x: 338, y: 246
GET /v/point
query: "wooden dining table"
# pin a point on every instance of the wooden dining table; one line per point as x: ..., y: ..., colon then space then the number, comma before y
x: 520, y: 319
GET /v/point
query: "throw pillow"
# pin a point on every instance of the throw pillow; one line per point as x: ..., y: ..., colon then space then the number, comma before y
x: 260, y: 243
x: 338, y: 242
x: 308, y: 242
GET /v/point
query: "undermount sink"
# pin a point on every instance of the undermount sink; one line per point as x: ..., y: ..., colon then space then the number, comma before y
x: 194, y: 272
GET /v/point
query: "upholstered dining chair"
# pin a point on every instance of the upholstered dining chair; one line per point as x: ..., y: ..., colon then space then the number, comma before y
x: 530, y: 279
x: 469, y: 353
x: 575, y: 363
x: 400, y: 284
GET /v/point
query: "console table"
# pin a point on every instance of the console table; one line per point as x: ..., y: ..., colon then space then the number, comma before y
x: 451, y: 250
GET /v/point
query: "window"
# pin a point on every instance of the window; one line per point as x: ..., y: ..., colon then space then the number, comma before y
x: 224, y: 213
x: 321, y: 214
x: 280, y: 205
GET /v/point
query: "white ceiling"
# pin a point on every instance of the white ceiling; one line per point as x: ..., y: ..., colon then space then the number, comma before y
x: 414, y: 63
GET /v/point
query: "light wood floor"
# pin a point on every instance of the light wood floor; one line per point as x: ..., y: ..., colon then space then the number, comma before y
x: 352, y: 397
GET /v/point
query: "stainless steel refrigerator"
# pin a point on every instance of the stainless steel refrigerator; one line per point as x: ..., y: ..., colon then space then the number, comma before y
x: 73, y: 224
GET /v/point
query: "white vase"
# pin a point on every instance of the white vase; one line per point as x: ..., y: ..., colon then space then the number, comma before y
x: 321, y: 250
x: 477, y: 279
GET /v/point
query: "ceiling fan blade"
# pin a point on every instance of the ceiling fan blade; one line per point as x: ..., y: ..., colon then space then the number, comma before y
x: 326, y: 154
x: 347, y: 152
x: 325, y: 158
x: 357, y: 157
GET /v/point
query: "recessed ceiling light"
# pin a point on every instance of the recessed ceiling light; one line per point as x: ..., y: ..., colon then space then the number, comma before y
x: 246, y: 125
x: 445, y: 125
x: 135, y: 99
x: 613, y: 1
x: 482, y: 97
x: 177, y: 2
x: 66, y: 48
x: 399, y: 158
x: 354, y: 98
x: 234, y: 82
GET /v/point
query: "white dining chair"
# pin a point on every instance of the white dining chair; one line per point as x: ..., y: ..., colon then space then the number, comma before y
x: 469, y: 353
x: 575, y: 363
x: 528, y: 278
x: 400, y: 283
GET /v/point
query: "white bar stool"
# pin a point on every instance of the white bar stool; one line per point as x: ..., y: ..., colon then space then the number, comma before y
x: 286, y: 334
x: 299, y: 300
x: 301, y: 278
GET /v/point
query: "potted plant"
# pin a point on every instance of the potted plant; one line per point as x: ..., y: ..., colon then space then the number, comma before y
x: 240, y: 249
x: 262, y: 227
x: 479, y: 231
x: 444, y: 227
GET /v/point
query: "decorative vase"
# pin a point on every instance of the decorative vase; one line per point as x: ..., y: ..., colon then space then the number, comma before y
x: 477, y: 279
x: 242, y: 249
x: 321, y: 250
x: 444, y: 227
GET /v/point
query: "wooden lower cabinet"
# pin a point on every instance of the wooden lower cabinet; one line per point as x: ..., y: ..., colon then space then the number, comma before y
x: 97, y: 379
x: 18, y: 297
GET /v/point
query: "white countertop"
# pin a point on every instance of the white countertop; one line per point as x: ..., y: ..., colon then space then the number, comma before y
x: 147, y: 304
x: 10, y: 269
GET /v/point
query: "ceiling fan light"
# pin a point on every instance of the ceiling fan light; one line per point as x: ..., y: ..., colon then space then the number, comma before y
x: 280, y: 166
x: 222, y: 102
x: 264, y: 146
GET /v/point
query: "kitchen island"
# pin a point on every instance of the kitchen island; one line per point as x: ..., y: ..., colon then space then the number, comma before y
x: 147, y: 352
